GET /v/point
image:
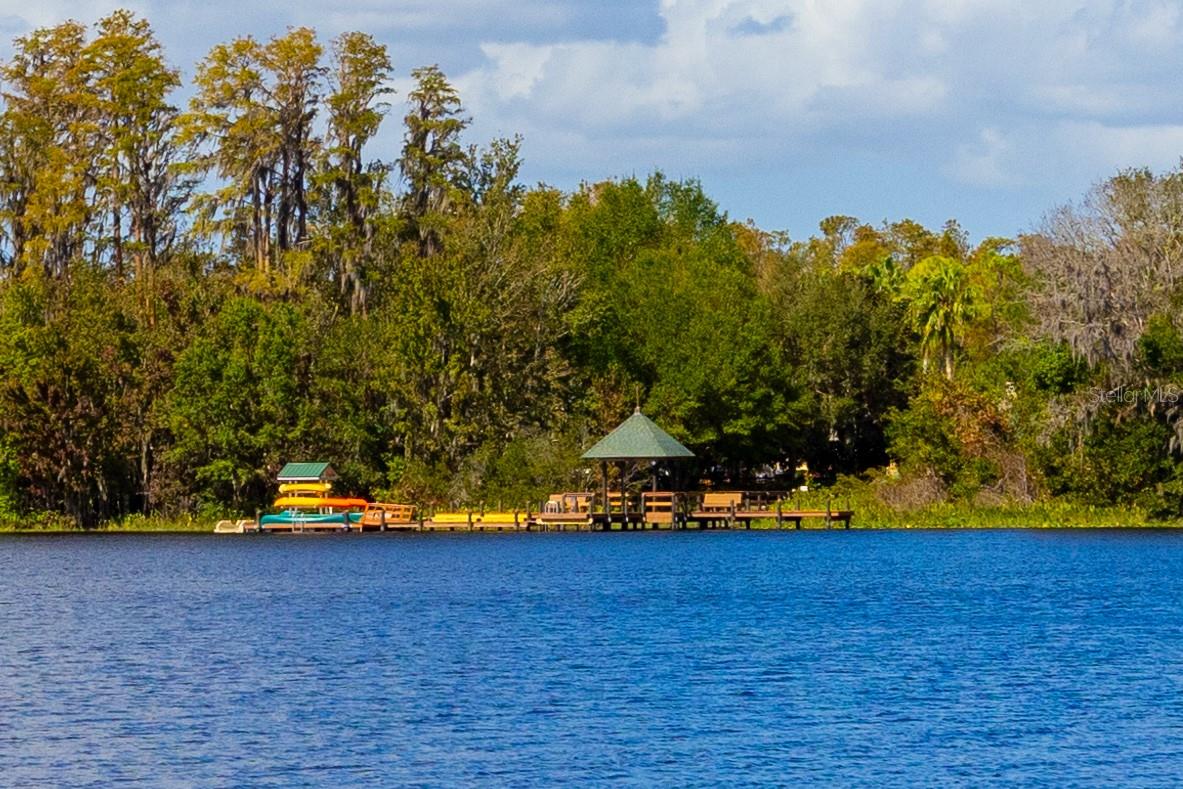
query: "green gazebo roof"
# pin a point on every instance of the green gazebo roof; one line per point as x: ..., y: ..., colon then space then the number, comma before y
x: 307, y: 472
x: 637, y: 438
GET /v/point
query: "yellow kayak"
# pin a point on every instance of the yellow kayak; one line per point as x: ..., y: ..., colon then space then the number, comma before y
x: 305, y: 487
x: 318, y: 501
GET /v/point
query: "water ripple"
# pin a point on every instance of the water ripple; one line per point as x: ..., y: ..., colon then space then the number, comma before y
x: 848, y: 659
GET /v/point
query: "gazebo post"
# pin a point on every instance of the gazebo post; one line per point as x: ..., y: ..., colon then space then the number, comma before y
x: 607, y: 508
x: 623, y: 498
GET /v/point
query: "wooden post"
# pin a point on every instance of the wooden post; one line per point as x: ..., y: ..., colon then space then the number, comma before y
x: 469, y: 520
x: 604, y: 474
x: 258, y: 522
x: 827, y: 512
x: 623, y: 499
x: 780, y: 516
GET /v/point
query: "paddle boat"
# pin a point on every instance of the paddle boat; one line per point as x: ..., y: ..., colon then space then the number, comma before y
x: 300, y: 520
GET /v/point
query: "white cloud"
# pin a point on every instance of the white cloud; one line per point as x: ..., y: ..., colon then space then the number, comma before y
x: 1158, y: 146
x: 984, y: 93
x: 805, y: 68
x: 984, y: 162
x: 19, y: 17
x: 1004, y: 105
x: 517, y: 68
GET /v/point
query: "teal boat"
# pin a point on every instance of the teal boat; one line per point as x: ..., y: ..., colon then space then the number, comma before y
x: 294, y: 517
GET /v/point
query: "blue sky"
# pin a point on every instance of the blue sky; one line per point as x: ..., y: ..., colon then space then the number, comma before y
x: 988, y: 111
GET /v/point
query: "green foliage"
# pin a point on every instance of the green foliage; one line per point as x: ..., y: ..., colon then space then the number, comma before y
x: 349, y: 191
x: 433, y: 162
x: 1161, y: 346
x: 954, y: 432
x: 941, y: 303
x: 9, y: 474
x: 520, y: 472
x: 849, y: 348
x: 234, y: 412
x: 1121, y: 460
x: 69, y: 354
x: 250, y: 124
x: 1056, y: 370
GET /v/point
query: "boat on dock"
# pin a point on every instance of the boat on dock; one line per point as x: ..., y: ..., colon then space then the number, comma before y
x: 305, y: 504
x: 297, y: 520
x: 319, y: 502
x: 306, y: 488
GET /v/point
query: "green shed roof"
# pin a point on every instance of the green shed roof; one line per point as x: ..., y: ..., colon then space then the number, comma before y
x: 307, y: 472
x: 637, y: 438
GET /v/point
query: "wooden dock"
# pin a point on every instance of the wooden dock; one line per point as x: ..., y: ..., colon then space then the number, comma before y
x: 577, y: 512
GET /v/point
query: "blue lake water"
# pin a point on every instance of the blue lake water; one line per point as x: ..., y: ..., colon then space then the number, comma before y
x: 841, y: 658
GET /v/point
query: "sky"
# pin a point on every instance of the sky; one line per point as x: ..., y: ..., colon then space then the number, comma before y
x: 992, y: 112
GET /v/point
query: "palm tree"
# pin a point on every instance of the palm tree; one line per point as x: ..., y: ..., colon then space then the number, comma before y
x: 941, y: 303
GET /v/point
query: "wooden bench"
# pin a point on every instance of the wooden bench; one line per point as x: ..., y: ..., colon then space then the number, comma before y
x: 379, y: 515
x: 721, y: 502
x: 658, y: 507
x: 577, y: 502
x: 717, y: 509
x: 732, y: 508
x: 568, y: 502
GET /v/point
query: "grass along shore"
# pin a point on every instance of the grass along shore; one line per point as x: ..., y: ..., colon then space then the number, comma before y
x: 52, y: 523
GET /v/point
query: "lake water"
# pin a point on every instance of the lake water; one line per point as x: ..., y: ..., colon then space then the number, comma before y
x: 843, y: 658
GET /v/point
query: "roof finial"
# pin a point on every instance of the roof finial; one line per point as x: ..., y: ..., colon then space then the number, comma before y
x: 637, y: 398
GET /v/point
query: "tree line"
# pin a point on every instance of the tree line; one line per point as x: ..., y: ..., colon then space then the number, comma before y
x: 191, y: 296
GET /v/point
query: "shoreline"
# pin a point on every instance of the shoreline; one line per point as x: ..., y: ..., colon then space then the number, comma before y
x: 868, y: 515
x: 756, y: 527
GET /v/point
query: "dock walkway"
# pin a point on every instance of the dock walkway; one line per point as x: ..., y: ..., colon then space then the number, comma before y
x: 577, y: 512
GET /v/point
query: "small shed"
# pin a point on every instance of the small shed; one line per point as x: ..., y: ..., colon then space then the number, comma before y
x: 637, y: 438
x: 307, y: 472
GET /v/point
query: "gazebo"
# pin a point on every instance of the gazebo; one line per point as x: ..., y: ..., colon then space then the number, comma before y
x: 636, y: 439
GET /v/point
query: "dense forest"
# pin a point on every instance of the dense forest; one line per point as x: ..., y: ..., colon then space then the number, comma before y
x: 192, y: 295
